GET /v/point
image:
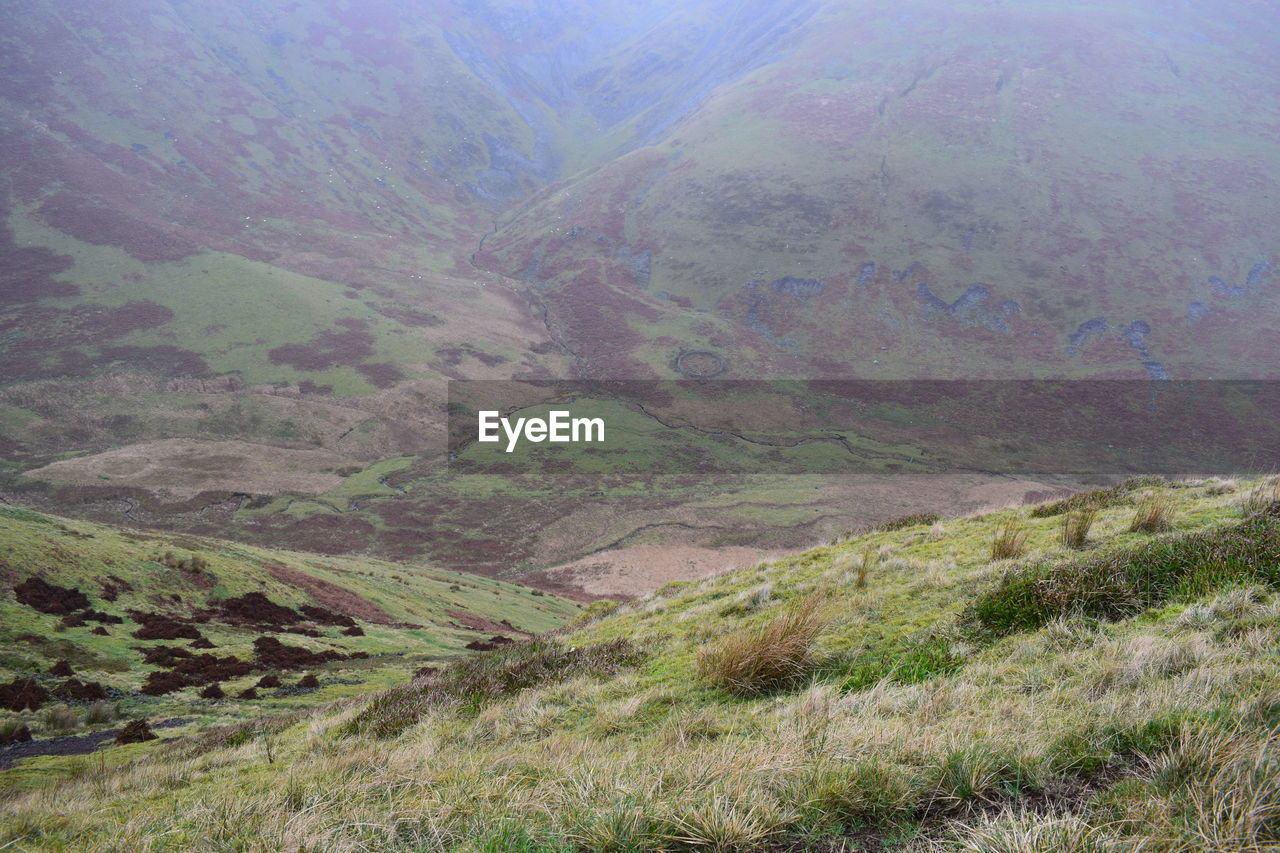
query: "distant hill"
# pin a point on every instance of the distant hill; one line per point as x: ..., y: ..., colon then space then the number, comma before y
x: 240, y: 228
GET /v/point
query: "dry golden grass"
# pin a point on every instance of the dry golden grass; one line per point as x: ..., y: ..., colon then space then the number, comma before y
x: 1154, y: 514
x: 1076, y: 525
x: 1010, y: 542
x: 754, y: 661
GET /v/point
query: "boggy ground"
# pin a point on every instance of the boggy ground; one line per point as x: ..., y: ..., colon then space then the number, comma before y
x: 895, y: 690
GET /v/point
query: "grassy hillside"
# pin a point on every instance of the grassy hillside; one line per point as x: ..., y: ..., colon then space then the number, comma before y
x: 1107, y: 683
x: 146, y: 623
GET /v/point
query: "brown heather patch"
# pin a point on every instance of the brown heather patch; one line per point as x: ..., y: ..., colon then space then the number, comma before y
x: 413, y: 317
x: 103, y: 225
x: 331, y: 595
x: 39, y: 594
x: 380, y: 374
x: 476, y: 622
x: 165, y: 360
x: 27, y: 274
x: 351, y: 346
x: 326, y: 534
x: 272, y: 653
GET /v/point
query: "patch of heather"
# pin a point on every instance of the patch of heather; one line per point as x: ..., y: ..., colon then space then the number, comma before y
x: 157, y: 626
x: 380, y: 374
x: 327, y: 349
x: 28, y: 274
x: 93, y: 222
x: 74, y: 690
x: 39, y: 594
x: 164, y: 359
x: 23, y: 694
x: 255, y: 608
x: 272, y: 653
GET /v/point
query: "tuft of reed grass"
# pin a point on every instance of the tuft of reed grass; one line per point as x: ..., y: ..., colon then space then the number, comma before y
x: 58, y: 719
x: 100, y: 713
x: 870, y: 559
x: 1154, y: 514
x: 1010, y: 542
x: 919, y: 519
x: 1076, y: 525
x: 1263, y: 499
x: 755, y: 661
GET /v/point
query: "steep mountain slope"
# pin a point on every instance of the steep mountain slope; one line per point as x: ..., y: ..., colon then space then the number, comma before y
x: 941, y: 190
x: 876, y: 693
x: 238, y: 228
x: 150, y: 622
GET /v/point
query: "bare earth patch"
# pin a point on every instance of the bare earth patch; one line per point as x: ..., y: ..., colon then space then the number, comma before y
x: 182, y: 468
x: 331, y: 595
x: 628, y: 572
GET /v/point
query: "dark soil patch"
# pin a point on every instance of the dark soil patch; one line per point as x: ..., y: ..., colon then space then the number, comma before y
x: 23, y: 694
x: 248, y: 694
x: 75, y: 620
x: 40, y: 595
x: 213, y: 691
x: 203, y: 643
x: 308, y: 681
x: 268, y: 681
x: 101, y: 632
x: 62, y: 668
x: 73, y: 690
x: 272, y: 653
x: 112, y: 586
x: 354, y: 631
x: 99, y: 616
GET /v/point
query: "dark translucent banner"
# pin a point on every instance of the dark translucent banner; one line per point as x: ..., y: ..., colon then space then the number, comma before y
x: 1082, y: 427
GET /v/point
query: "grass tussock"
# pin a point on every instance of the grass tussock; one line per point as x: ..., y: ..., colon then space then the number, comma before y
x: 1076, y: 526
x: 1120, y: 495
x: 855, y: 570
x: 773, y: 656
x: 919, y: 519
x: 1124, y: 582
x: 1261, y: 499
x: 1154, y: 514
x: 1010, y: 542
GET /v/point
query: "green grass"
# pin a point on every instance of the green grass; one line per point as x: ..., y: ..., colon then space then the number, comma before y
x: 1061, y: 720
x: 79, y: 554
